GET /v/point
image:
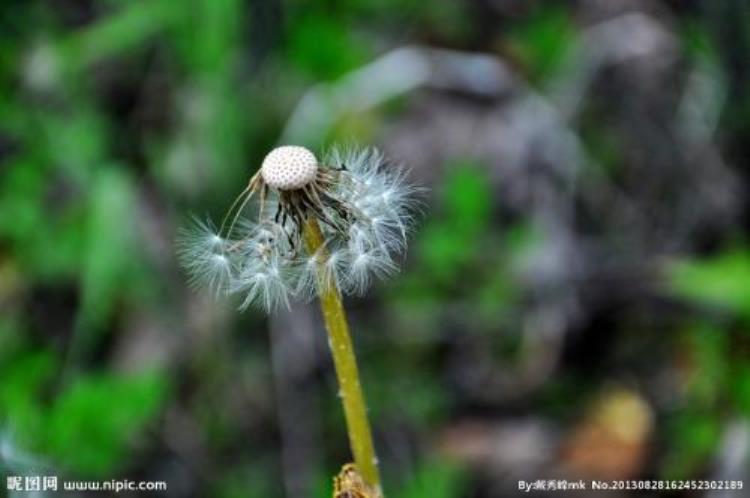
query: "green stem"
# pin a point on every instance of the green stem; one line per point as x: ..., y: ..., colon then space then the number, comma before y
x: 345, y: 362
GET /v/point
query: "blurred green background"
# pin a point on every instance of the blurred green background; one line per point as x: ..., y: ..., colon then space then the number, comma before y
x: 575, y: 302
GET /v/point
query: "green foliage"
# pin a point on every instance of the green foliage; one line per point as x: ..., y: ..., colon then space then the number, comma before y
x: 411, y: 394
x: 22, y: 187
x: 708, y: 348
x: 123, y: 31
x: 739, y: 385
x: 694, y: 436
x: 23, y: 379
x: 11, y: 337
x: 107, y: 262
x: 716, y: 384
x: 696, y: 40
x: 447, y: 19
x: 460, y: 258
x: 91, y: 424
x: 209, y: 36
x: 247, y: 480
x: 499, y: 290
x: 319, y: 46
x: 722, y: 281
x: 74, y: 145
x: 88, y: 426
x: 542, y: 41
x: 602, y: 143
x: 719, y: 381
x: 446, y: 245
x: 433, y: 479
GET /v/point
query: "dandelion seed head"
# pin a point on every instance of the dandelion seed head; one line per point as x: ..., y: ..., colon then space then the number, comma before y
x: 363, y: 205
x: 289, y: 167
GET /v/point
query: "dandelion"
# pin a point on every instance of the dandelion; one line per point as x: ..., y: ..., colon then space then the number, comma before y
x: 363, y: 209
x: 319, y: 229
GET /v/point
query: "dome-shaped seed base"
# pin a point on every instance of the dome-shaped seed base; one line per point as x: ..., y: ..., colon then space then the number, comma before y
x: 289, y: 167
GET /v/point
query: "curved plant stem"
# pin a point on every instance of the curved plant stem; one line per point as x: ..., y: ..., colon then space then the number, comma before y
x: 345, y: 362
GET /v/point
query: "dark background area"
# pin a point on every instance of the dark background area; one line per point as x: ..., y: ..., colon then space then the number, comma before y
x: 575, y: 302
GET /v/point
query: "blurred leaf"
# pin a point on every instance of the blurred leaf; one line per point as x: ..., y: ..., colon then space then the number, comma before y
x: 411, y: 394
x: 722, y: 281
x: 76, y: 144
x: 323, y: 484
x: 248, y: 480
x: 92, y: 423
x: 11, y: 335
x: 697, y: 40
x: 22, y: 381
x: 109, y: 257
x: 499, y: 291
x: 446, y: 18
x: 324, y: 47
x: 497, y: 294
x: 694, y: 435
x: 740, y: 385
x: 694, y: 431
x: 443, y: 252
x: 124, y: 30
x: 21, y: 210
x: 542, y: 41
x: 209, y: 146
x: 219, y: 24
x: 709, y: 348
x: 467, y: 199
x: 23, y: 377
x: 448, y: 242
x: 603, y: 144
x: 433, y: 479
x: 31, y: 217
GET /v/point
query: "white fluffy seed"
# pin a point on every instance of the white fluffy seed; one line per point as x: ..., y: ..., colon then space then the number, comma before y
x: 289, y: 167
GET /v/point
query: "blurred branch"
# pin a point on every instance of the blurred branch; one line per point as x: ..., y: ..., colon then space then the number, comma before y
x: 119, y: 32
x: 395, y: 73
x: 294, y: 347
